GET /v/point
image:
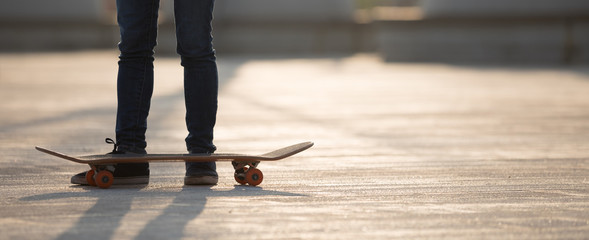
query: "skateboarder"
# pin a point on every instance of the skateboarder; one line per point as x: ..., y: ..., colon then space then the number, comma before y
x: 137, y: 21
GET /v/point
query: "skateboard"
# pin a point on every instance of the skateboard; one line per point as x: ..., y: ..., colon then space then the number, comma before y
x: 246, y: 166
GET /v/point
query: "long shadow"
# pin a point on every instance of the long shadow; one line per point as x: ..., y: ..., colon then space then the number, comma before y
x: 103, y: 219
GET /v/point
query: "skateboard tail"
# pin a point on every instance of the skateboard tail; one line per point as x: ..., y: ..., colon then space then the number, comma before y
x: 58, y: 154
x: 287, y: 151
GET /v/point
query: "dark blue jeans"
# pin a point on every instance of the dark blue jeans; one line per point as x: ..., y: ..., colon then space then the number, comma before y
x: 138, y: 26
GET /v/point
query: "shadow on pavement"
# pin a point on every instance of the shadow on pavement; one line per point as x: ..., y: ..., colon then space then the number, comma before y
x: 104, y: 218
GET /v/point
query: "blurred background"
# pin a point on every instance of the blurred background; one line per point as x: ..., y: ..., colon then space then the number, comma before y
x: 504, y: 31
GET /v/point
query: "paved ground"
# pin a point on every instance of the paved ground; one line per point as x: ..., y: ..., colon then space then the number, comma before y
x: 408, y: 151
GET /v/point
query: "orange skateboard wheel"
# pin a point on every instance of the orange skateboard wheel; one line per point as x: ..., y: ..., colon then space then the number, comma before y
x: 240, y: 176
x: 254, y: 176
x: 90, y: 177
x: 104, y: 179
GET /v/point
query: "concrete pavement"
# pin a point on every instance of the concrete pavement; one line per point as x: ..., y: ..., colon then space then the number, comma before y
x: 407, y: 151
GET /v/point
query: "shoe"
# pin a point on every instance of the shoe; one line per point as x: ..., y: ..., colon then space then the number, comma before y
x: 201, y: 173
x: 124, y: 174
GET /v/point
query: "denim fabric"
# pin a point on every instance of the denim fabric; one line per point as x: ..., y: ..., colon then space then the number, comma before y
x: 137, y: 21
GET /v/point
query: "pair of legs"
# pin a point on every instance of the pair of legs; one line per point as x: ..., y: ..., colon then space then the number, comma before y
x: 138, y: 25
x: 137, y: 21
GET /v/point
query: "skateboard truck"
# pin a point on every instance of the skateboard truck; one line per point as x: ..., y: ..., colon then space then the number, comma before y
x: 100, y: 175
x: 247, y: 173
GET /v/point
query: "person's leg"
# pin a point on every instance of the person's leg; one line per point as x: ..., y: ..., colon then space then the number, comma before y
x: 138, y: 27
x: 193, y: 31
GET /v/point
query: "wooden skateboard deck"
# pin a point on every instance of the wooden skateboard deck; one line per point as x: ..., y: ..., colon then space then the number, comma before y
x: 245, y: 166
